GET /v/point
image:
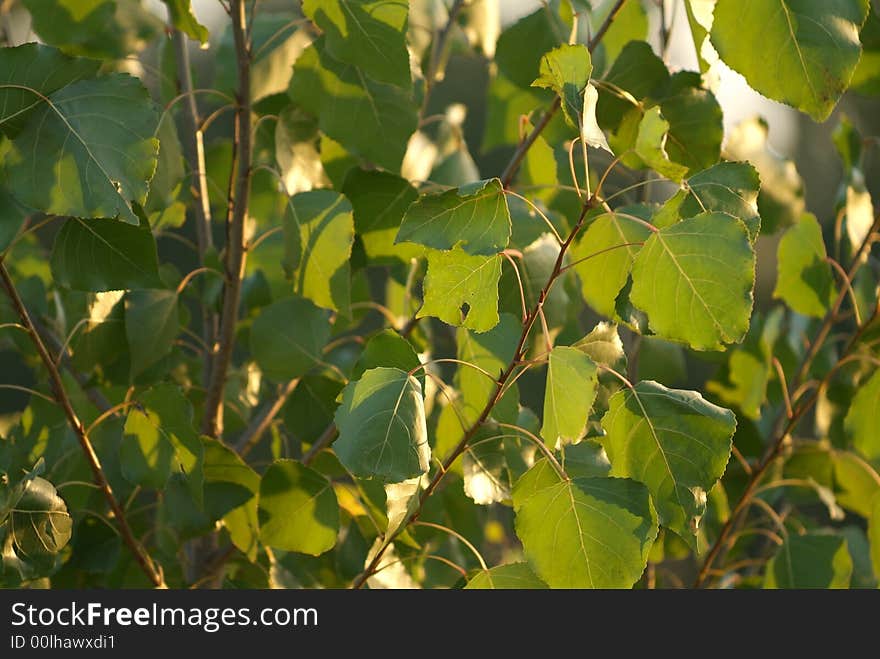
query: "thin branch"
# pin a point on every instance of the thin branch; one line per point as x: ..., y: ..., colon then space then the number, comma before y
x: 140, y: 555
x: 260, y: 423
x: 212, y: 423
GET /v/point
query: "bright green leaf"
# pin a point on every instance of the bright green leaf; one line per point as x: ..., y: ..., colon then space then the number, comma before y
x: 674, y: 442
x: 586, y: 533
x: 369, y: 34
x: 231, y: 490
x: 181, y: 14
x: 874, y: 533
x: 382, y: 429
x: 799, y: 52
x: 474, y: 216
x: 462, y: 290
x: 651, y: 146
x: 694, y: 279
x: 804, y: 278
x: 861, y: 419
x: 517, y: 576
x: 297, y: 509
x: 567, y: 70
x: 568, y: 396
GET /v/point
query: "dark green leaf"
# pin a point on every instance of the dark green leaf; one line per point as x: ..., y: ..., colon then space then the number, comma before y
x: 288, y: 337
x: 810, y: 561
x: 152, y: 322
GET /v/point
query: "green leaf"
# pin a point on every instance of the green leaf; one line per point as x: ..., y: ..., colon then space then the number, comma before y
x: 591, y: 132
x: 516, y: 576
x: 369, y: 34
x: 103, y: 255
x: 506, y: 103
x: 492, y: 463
x: 39, y: 526
x: 651, y: 145
x: 567, y: 70
x: 728, y: 187
x: 630, y: 25
x: 12, y: 217
x: 815, y: 48
x: 694, y: 279
x: 462, y: 290
x: 521, y: 46
x: 109, y: 29
x: 97, y: 139
x: 166, y: 183
x: 336, y: 92
x: 318, y: 235
x: 298, y: 509
x: 804, y: 278
x: 586, y: 459
x: 474, y: 217
x: 181, y: 14
x: 674, y: 442
x: 160, y: 439
x: 382, y: 428
x: 231, y: 494
x: 812, y: 560
x: 152, y: 322
x: 855, y: 482
x: 288, y: 337
x: 604, y: 257
x: 781, y: 200
x: 568, y: 396
x: 35, y: 69
x: 296, y: 151
x: 379, y: 201
x: 861, y: 419
x: 586, y: 533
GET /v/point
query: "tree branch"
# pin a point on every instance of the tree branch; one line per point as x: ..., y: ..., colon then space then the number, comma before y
x: 775, y: 448
x: 143, y: 560
x: 212, y: 423
x: 524, y: 146
x: 252, y: 434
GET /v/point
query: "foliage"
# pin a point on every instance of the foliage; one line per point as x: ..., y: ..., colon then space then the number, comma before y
x: 311, y: 323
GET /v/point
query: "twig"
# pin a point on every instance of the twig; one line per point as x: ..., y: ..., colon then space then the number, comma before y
x: 212, y: 423
x: 252, y: 434
x: 143, y: 560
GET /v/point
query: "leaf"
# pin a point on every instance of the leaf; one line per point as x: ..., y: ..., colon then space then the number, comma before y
x: 108, y: 29
x: 462, y: 290
x: 379, y: 201
x: 566, y: 70
x: 586, y: 533
x: 651, y: 146
x: 812, y: 560
x: 387, y: 348
x: 781, y: 200
x: 39, y: 524
x: 97, y: 137
x: 382, y: 428
x: 586, y: 459
x: 288, y: 337
x: 630, y: 25
x: 861, y: 419
x: 231, y: 495
x: 695, y: 123
x: 694, y: 279
x: 591, y: 133
x: 166, y: 182
x: 568, y: 396
x: 506, y: 103
x: 181, y: 14
x: 318, y: 235
x: 12, y: 216
x: 673, y: 441
x: 369, y: 34
x: 32, y: 69
x: 855, y: 482
x: 152, y: 322
x: 604, y: 257
x: 296, y: 150
x: 160, y: 439
x: 371, y: 119
x: 728, y: 187
x: 815, y: 48
x: 541, y: 31
x: 474, y: 217
x: 492, y: 463
x: 103, y: 255
x: 804, y: 278
x: 517, y: 576
x: 298, y: 509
